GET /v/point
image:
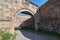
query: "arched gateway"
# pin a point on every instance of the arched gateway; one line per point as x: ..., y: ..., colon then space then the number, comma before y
x: 9, y: 10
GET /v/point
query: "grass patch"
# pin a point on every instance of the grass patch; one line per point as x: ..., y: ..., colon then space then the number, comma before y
x: 14, y: 36
x: 7, y: 36
x: 44, y: 32
x: 28, y: 29
x: 40, y: 31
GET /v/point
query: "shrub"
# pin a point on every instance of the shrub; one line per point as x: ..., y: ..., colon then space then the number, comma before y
x: 7, y: 36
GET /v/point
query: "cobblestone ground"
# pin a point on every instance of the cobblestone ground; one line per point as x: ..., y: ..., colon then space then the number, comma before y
x: 24, y: 35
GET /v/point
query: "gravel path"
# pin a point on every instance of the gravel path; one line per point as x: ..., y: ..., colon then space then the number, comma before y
x: 24, y: 35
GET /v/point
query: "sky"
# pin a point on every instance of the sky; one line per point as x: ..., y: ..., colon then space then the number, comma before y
x: 37, y: 2
x: 22, y: 14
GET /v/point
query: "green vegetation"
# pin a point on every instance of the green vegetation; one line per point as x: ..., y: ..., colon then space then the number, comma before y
x: 40, y: 31
x: 14, y: 36
x: 44, y: 32
x: 28, y: 29
x: 7, y: 36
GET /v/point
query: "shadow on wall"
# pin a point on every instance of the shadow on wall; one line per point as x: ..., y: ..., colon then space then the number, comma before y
x: 28, y: 23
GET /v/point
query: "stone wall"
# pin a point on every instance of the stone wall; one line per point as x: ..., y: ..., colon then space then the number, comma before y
x: 9, y: 10
x: 26, y: 21
x: 50, y: 15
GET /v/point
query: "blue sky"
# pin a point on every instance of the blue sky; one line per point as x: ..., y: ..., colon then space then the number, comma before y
x: 37, y: 2
x: 22, y: 14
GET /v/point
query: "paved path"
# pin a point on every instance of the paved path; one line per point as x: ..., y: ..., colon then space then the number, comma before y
x: 24, y: 35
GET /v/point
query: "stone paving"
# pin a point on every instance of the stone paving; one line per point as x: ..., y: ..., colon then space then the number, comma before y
x: 24, y: 35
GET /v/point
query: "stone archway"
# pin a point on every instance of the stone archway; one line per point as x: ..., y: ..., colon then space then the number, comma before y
x: 36, y: 20
x: 26, y: 20
x: 14, y: 7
